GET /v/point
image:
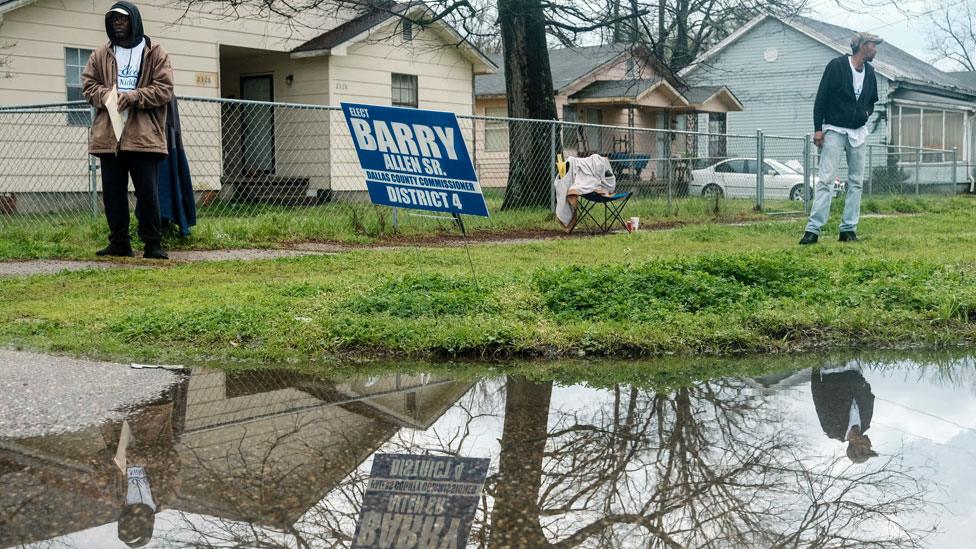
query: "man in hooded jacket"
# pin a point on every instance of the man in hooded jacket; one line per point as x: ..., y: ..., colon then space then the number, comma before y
x: 140, y: 70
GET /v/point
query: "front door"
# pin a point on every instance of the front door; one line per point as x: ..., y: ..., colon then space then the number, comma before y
x: 593, y: 135
x: 663, y: 123
x: 258, y: 125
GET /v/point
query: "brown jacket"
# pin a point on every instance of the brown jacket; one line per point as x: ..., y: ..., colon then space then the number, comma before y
x: 145, y: 130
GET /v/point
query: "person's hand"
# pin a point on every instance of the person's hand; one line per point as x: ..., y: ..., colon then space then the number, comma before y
x: 126, y: 100
x: 818, y: 139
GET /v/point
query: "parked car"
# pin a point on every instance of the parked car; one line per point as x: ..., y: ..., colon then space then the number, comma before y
x: 736, y: 178
x: 839, y: 185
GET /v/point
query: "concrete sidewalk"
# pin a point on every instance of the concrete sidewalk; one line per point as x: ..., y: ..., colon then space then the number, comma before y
x: 45, y: 394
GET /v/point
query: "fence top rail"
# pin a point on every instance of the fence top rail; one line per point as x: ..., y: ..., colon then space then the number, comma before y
x: 789, y: 137
x: 909, y: 147
x: 224, y: 100
x: 41, y: 111
x: 600, y: 126
x: 41, y: 106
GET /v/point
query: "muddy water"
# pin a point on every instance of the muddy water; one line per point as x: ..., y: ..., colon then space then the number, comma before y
x: 847, y: 452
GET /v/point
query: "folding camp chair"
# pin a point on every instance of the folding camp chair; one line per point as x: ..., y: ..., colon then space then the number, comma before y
x: 613, y: 206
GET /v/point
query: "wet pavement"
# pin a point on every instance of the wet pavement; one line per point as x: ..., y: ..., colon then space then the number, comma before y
x: 849, y: 452
x: 47, y: 395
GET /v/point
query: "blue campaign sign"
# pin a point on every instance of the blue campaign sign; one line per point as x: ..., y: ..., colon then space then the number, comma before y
x: 415, y: 159
x: 417, y: 502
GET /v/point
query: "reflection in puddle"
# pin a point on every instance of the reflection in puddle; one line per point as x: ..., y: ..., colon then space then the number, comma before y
x: 844, y: 454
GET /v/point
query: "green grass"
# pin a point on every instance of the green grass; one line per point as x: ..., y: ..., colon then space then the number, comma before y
x: 703, y: 289
x: 77, y: 235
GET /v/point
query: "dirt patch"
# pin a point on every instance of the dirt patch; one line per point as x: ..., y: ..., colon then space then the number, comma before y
x: 45, y: 266
x: 189, y: 256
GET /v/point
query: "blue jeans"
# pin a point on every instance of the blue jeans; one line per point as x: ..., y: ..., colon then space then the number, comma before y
x: 834, y: 144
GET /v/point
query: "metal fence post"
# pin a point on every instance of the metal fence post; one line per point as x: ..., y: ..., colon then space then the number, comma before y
x: 807, y: 178
x: 870, y: 175
x: 92, y: 172
x: 93, y: 185
x: 918, y: 165
x: 670, y: 170
x: 552, y: 166
x: 955, y: 166
x: 760, y: 141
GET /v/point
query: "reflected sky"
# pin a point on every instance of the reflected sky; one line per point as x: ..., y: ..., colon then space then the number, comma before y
x: 281, y: 459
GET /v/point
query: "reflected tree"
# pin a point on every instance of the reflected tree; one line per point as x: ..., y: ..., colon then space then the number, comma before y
x: 701, y: 466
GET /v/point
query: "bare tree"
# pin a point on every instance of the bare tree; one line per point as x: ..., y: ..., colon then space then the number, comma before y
x: 696, y: 467
x: 954, y: 38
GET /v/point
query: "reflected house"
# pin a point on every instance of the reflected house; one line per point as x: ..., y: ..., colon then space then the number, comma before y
x: 265, y: 454
x: 259, y: 447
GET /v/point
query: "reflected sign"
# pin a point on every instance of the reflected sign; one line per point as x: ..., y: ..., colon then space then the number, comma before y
x: 420, y: 501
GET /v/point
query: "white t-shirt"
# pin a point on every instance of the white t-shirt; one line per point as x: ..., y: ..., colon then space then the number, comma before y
x: 858, y: 78
x: 854, y: 418
x: 138, y: 487
x: 128, y: 61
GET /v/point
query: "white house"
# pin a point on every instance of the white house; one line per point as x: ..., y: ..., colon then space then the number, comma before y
x: 317, y: 59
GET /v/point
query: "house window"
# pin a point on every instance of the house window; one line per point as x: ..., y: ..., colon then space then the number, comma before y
x: 404, y: 90
x: 496, y: 131
x: 718, y: 141
x: 75, y: 60
x: 407, y: 30
x: 927, y: 128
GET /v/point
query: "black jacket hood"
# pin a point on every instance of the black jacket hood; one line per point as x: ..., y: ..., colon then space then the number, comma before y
x: 135, y: 17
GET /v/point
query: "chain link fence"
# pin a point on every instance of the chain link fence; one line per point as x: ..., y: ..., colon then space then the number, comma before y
x: 296, y: 165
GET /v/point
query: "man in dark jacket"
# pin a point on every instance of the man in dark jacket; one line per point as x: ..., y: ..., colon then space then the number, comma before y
x: 844, y: 404
x: 845, y: 100
x: 139, y: 72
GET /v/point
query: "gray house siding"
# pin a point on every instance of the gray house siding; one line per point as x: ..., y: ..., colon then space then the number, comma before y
x: 778, y: 95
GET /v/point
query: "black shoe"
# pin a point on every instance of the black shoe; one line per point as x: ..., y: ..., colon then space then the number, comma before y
x: 116, y: 250
x: 848, y: 236
x: 154, y: 251
x: 809, y: 238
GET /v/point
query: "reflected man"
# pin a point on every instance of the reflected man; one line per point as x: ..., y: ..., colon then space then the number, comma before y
x: 844, y: 404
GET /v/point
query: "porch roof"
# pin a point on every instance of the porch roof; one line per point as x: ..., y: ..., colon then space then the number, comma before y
x: 658, y: 93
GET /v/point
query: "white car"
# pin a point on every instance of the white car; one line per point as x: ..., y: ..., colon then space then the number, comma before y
x: 736, y: 178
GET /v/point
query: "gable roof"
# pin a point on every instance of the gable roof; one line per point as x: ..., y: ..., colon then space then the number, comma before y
x: 602, y: 89
x: 567, y: 64
x: 699, y: 95
x: 892, y: 63
x: 350, y: 29
x: 335, y: 40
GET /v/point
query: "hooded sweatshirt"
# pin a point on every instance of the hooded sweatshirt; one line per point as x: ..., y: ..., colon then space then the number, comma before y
x: 128, y: 52
x: 140, y: 68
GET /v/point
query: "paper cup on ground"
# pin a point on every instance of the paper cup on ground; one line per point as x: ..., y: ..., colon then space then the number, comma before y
x: 634, y: 223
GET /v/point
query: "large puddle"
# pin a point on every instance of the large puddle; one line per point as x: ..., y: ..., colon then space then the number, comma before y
x: 847, y: 452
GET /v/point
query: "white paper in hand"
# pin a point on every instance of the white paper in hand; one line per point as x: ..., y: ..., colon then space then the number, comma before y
x: 120, y: 451
x: 112, y: 106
